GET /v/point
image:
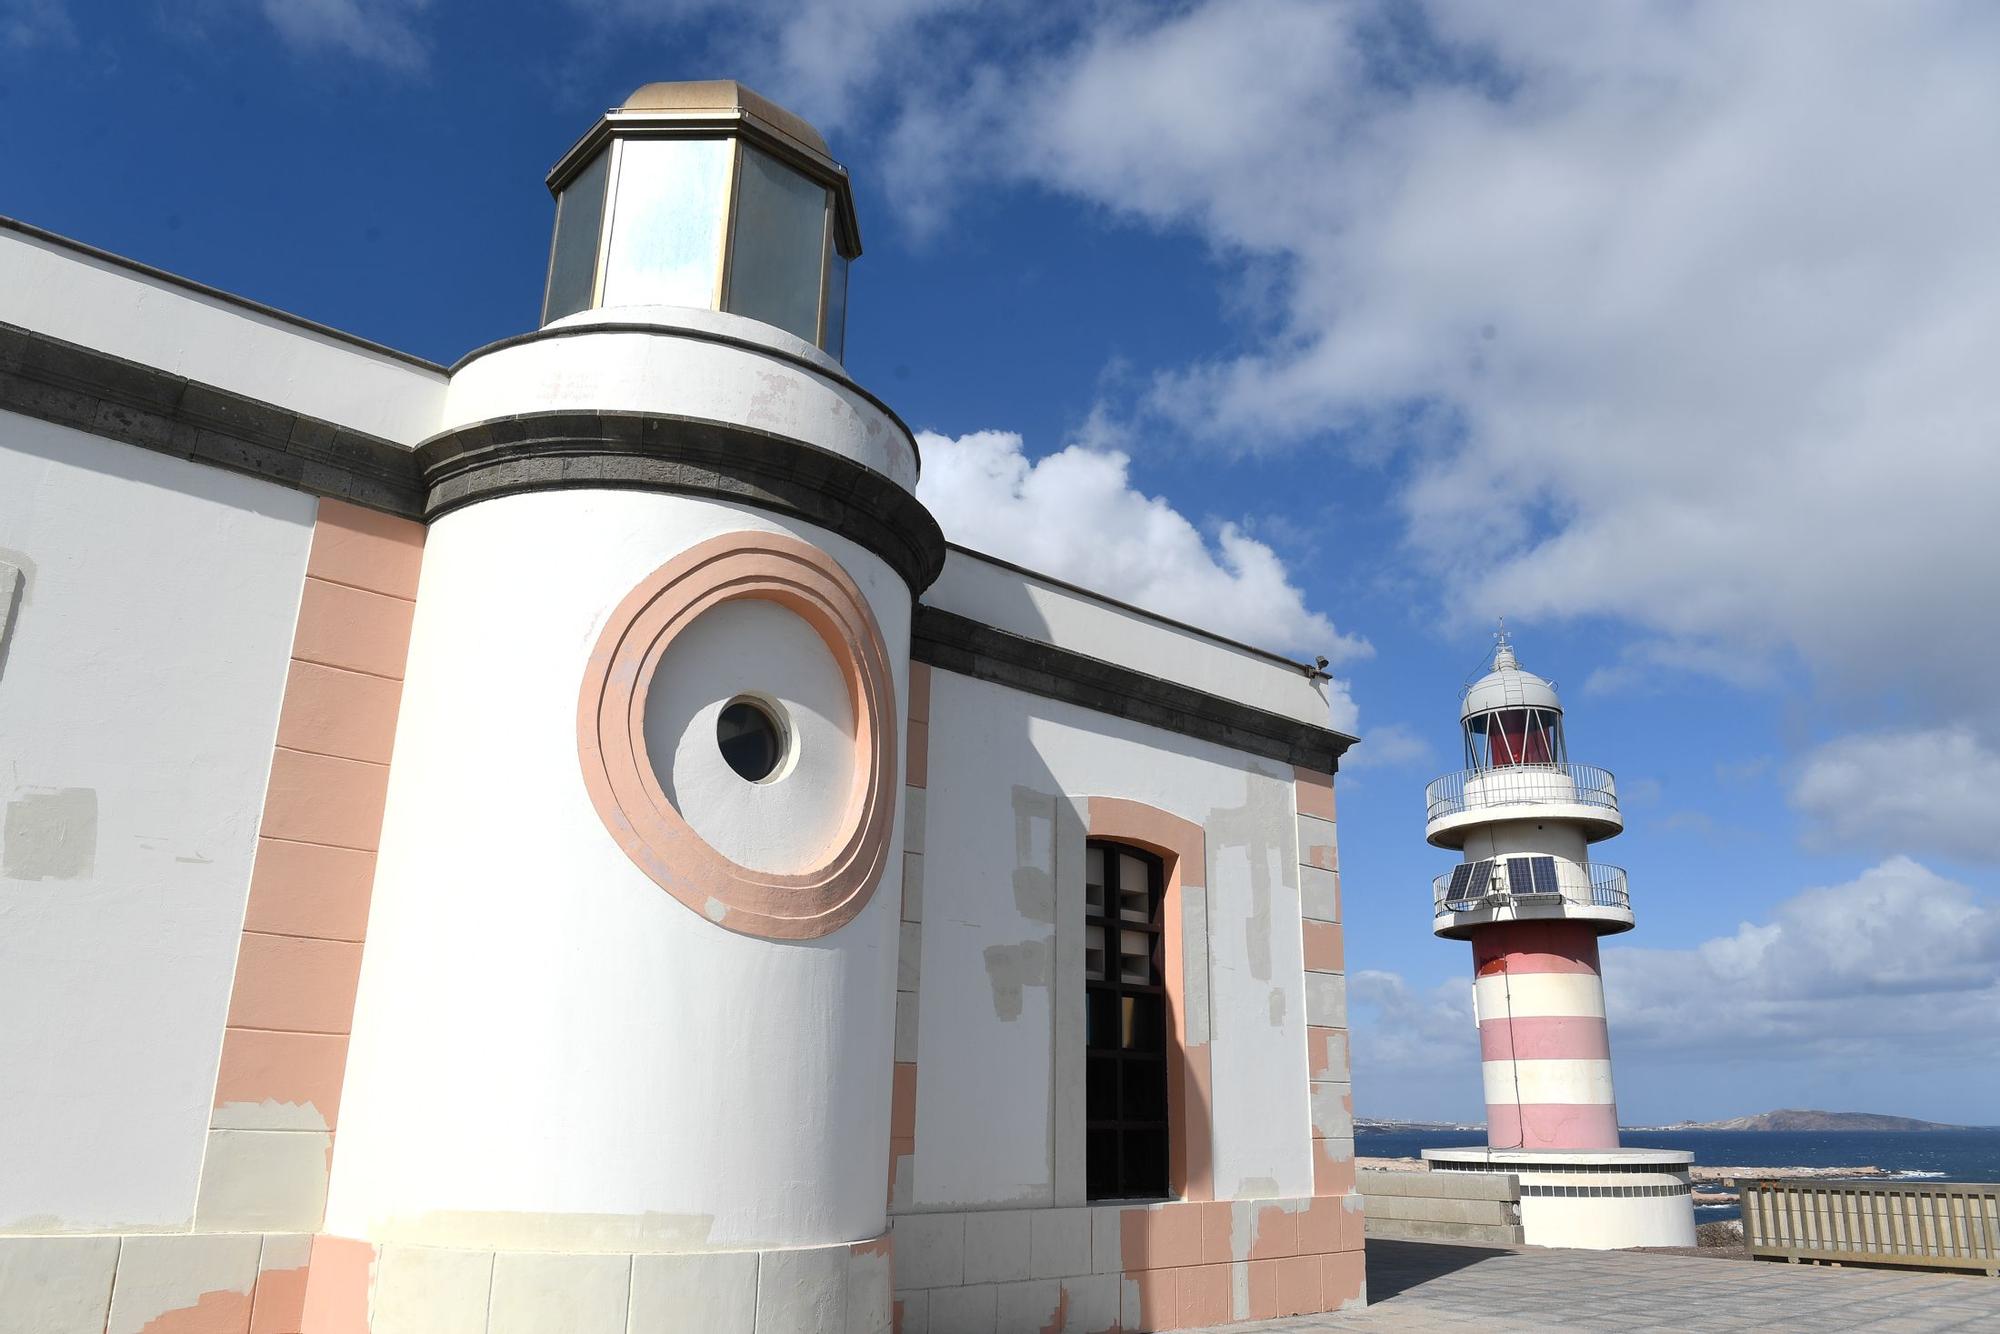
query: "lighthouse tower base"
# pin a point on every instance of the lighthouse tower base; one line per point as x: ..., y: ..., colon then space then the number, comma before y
x: 1591, y: 1199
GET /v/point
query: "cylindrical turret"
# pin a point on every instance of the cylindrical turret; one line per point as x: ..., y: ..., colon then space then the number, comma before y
x: 630, y: 981
x: 1533, y: 904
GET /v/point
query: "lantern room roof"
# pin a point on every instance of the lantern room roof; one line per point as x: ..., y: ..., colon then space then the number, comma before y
x: 724, y: 97
x: 1507, y: 686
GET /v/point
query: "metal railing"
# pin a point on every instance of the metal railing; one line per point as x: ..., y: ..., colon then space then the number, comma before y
x: 1521, y: 784
x: 1935, y: 1224
x: 1599, y: 886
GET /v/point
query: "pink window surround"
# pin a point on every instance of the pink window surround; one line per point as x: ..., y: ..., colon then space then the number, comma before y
x: 801, y: 905
x: 1182, y: 847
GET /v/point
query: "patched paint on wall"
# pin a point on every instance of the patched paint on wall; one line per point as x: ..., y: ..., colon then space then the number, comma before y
x: 1001, y: 1102
x: 1034, y: 854
x: 51, y: 835
x: 145, y: 664
x: 1012, y: 969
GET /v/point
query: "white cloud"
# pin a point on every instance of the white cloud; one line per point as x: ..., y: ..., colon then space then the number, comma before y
x: 1894, y: 971
x: 1872, y: 995
x: 379, y: 31
x: 819, y: 58
x: 1414, y: 1052
x: 1702, y: 296
x: 1391, y: 746
x: 25, y: 24
x: 1932, y: 788
x: 1074, y: 514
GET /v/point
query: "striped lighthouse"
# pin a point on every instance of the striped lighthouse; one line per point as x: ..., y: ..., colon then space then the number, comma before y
x: 1532, y: 903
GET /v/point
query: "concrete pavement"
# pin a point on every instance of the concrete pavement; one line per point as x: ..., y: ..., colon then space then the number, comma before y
x: 1422, y: 1288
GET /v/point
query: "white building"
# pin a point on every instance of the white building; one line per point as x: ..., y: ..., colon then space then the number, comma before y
x: 560, y: 842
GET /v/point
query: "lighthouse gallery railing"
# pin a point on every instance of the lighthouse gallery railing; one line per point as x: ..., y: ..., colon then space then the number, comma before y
x: 1519, y: 785
x: 1607, y: 889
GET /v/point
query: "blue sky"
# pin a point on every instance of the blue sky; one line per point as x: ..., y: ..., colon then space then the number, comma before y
x: 1666, y: 330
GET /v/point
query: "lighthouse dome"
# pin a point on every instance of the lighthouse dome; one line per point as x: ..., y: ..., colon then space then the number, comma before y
x: 1507, y: 686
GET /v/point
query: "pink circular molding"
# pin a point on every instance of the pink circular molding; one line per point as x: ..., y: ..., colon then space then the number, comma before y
x: 612, y: 744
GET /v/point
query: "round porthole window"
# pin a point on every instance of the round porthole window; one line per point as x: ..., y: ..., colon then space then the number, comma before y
x: 751, y: 739
x: 800, y: 850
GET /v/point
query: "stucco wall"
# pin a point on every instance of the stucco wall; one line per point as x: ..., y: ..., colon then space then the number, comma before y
x: 999, y: 1095
x: 102, y: 303
x: 139, y: 696
x: 1027, y: 604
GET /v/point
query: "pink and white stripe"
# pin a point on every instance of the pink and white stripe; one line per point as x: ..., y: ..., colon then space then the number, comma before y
x: 1546, y: 1054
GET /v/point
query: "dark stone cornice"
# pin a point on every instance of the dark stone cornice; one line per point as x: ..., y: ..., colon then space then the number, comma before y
x: 960, y: 644
x: 142, y: 405
x: 547, y: 451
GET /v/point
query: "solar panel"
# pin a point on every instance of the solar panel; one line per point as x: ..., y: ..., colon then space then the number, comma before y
x: 1532, y: 877
x: 1470, y: 880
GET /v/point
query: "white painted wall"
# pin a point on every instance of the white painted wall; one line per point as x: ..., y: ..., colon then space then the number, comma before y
x: 101, y: 304
x: 986, y: 1073
x: 549, y: 1049
x: 789, y: 821
x: 665, y: 370
x: 145, y: 670
x: 1608, y: 1223
x: 1006, y: 598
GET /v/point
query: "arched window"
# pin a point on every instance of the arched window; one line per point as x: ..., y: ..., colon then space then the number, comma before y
x: 1126, y: 1143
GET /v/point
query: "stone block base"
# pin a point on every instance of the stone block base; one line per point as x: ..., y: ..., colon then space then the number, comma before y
x: 1173, y: 1265
x: 292, y: 1283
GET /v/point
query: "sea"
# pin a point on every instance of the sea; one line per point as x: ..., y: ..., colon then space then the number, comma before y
x: 1919, y: 1155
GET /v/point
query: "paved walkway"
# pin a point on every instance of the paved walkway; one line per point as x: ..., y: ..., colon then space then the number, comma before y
x: 1423, y: 1288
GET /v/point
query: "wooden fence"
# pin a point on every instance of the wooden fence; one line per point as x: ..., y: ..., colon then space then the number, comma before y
x: 1932, y: 1224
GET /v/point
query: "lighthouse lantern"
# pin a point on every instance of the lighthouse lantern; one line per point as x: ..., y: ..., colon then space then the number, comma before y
x: 705, y: 195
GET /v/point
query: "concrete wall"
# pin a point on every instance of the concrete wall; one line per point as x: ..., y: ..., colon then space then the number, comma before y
x: 100, y: 302
x: 761, y: 377
x: 1476, y: 1209
x: 140, y: 684
x: 1171, y: 1265
x: 1026, y: 604
x: 272, y: 1283
x: 999, y: 1093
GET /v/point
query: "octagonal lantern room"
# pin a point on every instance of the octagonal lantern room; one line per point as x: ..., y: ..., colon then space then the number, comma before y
x: 705, y: 195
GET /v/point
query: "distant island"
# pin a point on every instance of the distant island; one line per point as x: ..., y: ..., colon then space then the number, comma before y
x: 1794, y: 1118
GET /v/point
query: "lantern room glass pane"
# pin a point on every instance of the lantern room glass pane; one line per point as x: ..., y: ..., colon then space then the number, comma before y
x: 836, y: 306
x: 573, y: 259
x: 1507, y: 737
x: 666, y: 226
x: 780, y: 241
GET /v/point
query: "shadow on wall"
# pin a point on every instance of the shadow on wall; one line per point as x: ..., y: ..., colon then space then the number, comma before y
x: 15, y: 572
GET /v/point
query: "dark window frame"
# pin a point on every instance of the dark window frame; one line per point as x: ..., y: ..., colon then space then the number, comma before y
x: 1127, y: 1129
